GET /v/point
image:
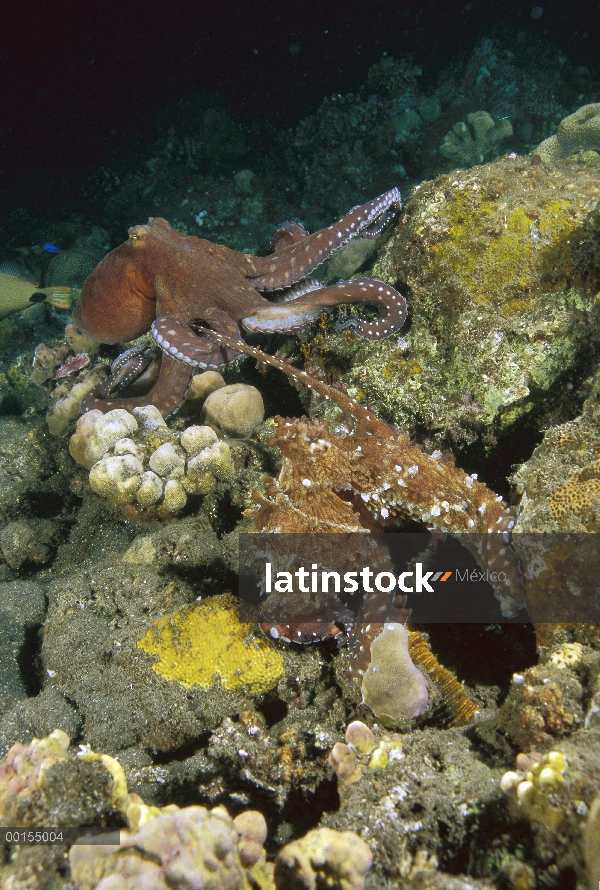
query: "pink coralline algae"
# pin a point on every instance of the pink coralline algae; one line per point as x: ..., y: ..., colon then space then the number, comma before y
x: 72, y: 364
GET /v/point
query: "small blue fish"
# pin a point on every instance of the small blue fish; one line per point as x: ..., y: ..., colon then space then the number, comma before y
x: 51, y: 248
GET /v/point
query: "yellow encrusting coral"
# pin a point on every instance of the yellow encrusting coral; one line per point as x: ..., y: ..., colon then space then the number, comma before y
x: 579, y: 493
x: 207, y: 644
x: 520, y: 249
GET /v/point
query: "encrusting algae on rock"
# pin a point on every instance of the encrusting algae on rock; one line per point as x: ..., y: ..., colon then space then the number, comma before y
x: 503, y: 307
x: 207, y: 643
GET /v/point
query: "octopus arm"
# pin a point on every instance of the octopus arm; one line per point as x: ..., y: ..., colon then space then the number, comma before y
x: 295, y: 262
x: 167, y: 394
x: 286, y: 234
x: 420, y: 487
x: 185, y: 346
x: 296, y: 314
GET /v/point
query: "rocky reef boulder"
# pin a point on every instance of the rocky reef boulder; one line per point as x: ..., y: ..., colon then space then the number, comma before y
x: 500, y: 265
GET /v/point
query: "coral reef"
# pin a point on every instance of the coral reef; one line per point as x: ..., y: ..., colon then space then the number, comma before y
x: 160, y: 847
x: 501, y: 266
x: 323, y: 858
x: 360, y: 480
x: 46, y: 360
x: 68, y: 397
x: 544, y: 703
x: 579, y: 494
x: 137, y: 460
x: 207, y: 643
x: 236, y: 410
x: 187, y: 848
x: 361, y: 748
x: 386, y: 804
x: 392, y: 687
x: 466, y: 147
x: 559, y: 519
x: 157, y: 845
x: 41, y: 785
x: 579, y: 132
x: 531, y: 787
x: 558, y: 484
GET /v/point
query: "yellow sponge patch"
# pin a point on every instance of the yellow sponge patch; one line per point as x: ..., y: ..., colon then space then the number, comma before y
x: 207, y: 644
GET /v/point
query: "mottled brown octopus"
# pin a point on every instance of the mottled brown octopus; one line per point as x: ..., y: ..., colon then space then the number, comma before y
x: 167, y: 283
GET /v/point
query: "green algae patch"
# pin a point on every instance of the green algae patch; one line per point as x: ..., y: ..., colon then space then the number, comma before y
x: 207, y: 644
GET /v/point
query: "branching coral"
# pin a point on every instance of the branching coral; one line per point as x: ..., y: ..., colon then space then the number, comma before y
x: 467, y: 147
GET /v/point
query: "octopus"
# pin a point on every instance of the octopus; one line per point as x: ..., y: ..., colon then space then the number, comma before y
x: 172, y: 285
x: 373, y: 479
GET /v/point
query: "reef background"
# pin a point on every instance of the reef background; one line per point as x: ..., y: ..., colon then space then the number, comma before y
x: 227, y: 123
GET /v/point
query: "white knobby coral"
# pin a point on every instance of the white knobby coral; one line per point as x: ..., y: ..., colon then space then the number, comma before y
x: 125, y: 470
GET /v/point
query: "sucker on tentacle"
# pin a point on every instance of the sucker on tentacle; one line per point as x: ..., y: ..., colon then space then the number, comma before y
x: 128, y: 367
x: 291, y: 316
x: 169, y: 391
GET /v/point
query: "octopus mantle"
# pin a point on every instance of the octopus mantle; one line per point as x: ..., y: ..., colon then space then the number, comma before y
x: 169, y: 283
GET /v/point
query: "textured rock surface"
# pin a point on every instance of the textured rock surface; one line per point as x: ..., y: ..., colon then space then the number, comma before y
x: 592, y: 845
x: 123, y: 700
x: 503, y: 302
x: 26, y: 461
x: 559, y: 484
x: 22, y: 610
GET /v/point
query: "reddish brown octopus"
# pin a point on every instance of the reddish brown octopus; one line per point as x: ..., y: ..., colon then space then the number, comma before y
x: 165, y: 282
